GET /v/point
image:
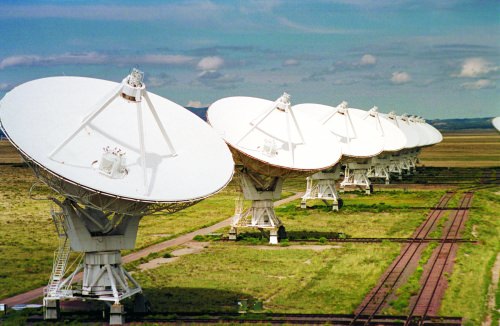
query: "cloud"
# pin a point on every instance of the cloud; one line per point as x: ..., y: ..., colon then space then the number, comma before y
x: 400, y: 77
x: 93, y: 58
x: 291, y: 62
x: 475, y: 67
x: 5, y: 87
x: 216, y: 79
x: 19, y: 60
x: 456, y: 51
x: 210, y: 63
x: 215, y: 50
x: 368, y: 59
x: 165, y: 59
x: 478, y: 84
x: 259, y: 6
x: 310, y: 29
x: 159, y: 80
x: 192, y: 11
x: 320, y: 76
x: 66, y: 58
x: 195, y: 104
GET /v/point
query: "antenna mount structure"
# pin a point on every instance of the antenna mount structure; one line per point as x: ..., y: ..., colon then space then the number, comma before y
x: 269, y: 141
x: 113, y: 161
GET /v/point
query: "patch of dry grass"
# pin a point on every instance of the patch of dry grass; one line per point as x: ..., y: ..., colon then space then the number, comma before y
x: 8, y: 154
x: 481, y: 149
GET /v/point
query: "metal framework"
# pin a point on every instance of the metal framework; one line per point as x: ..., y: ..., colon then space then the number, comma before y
x: 379, y: 168
x: 99, y: 236
x: 261, y: 190
x: 321, y: 186
x: 355, y: 174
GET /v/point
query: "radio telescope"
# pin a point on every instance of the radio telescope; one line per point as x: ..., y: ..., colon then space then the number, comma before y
x: 496, y: 123
x: 269, y: 141
x: 394, y: 140
x: 418, y: 134
x: 360, y: 139
x: 115, y: 152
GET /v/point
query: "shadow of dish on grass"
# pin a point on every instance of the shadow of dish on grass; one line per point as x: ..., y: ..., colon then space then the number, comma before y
x: 196, y: 300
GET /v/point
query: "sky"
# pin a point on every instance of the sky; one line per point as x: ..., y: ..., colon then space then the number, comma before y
x: 436, y: 59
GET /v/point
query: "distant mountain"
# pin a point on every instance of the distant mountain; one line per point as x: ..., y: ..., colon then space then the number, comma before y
x: 201, y: 112
x: 461, y: 124
x: 440, y: 124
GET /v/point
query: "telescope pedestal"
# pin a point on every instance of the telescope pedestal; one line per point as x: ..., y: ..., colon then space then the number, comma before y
x: 380, y: 169
x: 322, y: 186
x: 100, y: 240
x: 261, y: 214
x: 395, y: 167
x: 104, y: 277
x: 116, y: 314
x: 51, y: 309
x: 356, y: 175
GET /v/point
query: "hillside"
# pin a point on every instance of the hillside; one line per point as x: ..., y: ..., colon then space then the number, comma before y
x: 461, y: 124
x: 440, y: 124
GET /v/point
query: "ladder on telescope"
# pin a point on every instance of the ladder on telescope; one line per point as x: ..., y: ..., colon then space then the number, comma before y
x: 61, y: 256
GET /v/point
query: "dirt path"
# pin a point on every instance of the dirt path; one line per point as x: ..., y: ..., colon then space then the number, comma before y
x: 37, y: 293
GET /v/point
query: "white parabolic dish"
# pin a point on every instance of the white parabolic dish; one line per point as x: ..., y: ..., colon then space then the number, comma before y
x: 40, y: 115
x: 496, y: 123
x: 393, y: 138
x: 272, y: 135
x: 358, y: 137
x: 434, y: 134
x: 412, y: 138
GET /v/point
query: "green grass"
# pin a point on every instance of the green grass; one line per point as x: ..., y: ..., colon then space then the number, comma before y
x: 287, y: 280
x: 383, y: 214
x: 27, y: 234
x: 471, y: 277
x: 160, y: 227
x: 464, y: 150
x: 28, y: 238
x: 400, y: 305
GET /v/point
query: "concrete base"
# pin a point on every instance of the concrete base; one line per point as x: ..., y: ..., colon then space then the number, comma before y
x: 51, y: 309
x: 117, y: 314
x: 273, y: 236
x: 233, y: 233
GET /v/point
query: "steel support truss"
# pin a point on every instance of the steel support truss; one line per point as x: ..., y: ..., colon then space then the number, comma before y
x: 99, y: 236
x: 322, y: 186
x: 261, y: 191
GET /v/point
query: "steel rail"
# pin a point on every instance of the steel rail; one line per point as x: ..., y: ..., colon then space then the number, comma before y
x: 436, y: 270
x: 384, y: 289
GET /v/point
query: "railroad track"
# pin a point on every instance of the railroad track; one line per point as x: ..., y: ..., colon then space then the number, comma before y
x: 170, y: 318
x: 372, y: 240
x: 401, y: 267
x: 458, y: 176
x: 434, y: 284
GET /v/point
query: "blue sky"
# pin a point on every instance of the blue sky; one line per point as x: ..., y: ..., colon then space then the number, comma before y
x: 437, y: 59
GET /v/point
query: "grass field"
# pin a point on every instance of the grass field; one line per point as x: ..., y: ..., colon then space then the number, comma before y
x: 8, y: 153
x: 285, y: 279
x: 309, y: 278
x: 459, y: 149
